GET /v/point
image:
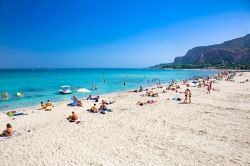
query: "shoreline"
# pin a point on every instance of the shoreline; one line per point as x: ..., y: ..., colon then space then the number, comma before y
x: 111, y: 93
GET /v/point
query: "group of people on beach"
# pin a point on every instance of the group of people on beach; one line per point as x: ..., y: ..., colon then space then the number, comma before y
x: 48, y: 106
x: 102, y: 109
x: 103, y: 105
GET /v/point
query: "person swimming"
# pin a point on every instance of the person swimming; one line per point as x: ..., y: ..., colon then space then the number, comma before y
x: 5, y: 95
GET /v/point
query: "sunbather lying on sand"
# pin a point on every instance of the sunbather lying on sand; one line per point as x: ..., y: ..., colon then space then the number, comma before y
x: 96, y: 99
x: 8, y: 132
x: 147, y: 102
x: 108, y: 102
x: 14, y: 113
x: 73, y: 117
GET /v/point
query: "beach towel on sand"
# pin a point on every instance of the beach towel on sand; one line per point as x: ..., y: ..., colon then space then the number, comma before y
x: 16, y: 134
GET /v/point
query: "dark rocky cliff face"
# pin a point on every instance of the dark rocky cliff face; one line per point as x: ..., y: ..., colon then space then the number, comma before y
x: 233, y: 51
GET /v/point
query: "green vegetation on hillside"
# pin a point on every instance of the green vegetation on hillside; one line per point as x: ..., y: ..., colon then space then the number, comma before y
x: 206, y: 66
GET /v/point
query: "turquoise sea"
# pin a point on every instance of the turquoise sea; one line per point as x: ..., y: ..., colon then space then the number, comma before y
x: 43, y: 84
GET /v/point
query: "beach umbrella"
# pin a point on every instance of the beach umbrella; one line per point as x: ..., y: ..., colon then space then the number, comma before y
x: 83, y: 90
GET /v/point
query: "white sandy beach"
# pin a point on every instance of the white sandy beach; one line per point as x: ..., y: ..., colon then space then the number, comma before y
x: 213, y: 130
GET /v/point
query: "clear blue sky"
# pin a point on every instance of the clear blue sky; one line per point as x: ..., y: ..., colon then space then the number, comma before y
x: 113, y: 33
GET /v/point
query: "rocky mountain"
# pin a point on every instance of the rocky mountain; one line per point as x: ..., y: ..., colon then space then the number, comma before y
x: 234, y: 51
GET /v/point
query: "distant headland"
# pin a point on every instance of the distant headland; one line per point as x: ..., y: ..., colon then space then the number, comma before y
x: 231, y: 54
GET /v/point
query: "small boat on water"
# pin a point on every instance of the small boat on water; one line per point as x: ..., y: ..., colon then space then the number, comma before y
x: 65, y: 90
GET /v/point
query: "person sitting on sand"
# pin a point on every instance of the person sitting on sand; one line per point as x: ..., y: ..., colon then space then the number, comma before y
x: 8, y: 132
x: 73, y: 117
x: 155, y: 94
x: 79, y: 103
x: 104, y: 108
x: 93, y: 109
x: 49, y: 106
x: 89, y: 97
x: 74, y: 103
x: 140, y: 89
x: 43, y: 105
